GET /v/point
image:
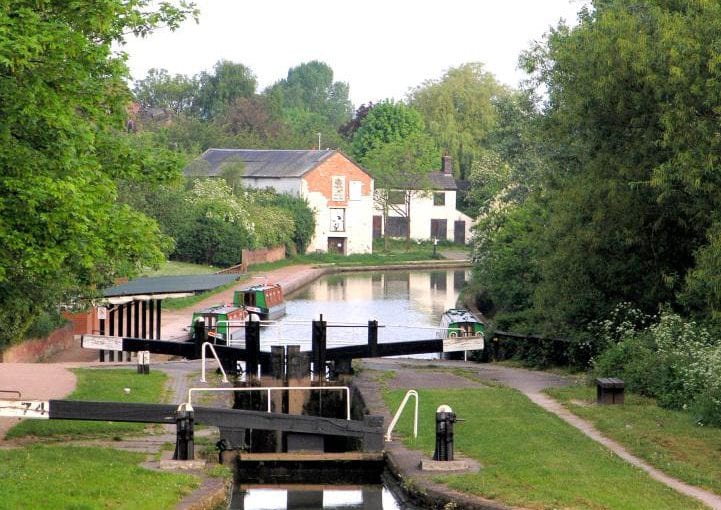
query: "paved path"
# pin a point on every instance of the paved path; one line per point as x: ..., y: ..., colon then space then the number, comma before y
x: 531, y: 384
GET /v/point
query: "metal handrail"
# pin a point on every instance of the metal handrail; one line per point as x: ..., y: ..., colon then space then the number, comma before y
x: 215, y: 355
x: 394, y: 421
x: 268, y: 389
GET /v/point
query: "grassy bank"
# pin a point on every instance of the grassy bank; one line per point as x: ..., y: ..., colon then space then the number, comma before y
x: 99, y: 385
x: 42, y: 476
x: 46, y: 474
x: 531, y: 458
x: 668, y: 440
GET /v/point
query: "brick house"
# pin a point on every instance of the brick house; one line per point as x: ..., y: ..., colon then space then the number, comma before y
x: 433, y: 215
x: 338, y: 190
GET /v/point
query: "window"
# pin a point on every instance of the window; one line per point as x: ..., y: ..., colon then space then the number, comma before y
x: 337, y: 188
x: 356, y: 190
x: 337, y: 220
x: 439, y: 198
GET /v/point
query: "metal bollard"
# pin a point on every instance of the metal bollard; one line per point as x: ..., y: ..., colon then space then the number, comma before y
x: 445, y: 418
x: 185, y: 435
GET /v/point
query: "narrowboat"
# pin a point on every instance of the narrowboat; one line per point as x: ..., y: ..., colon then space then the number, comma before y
x: 457, y: 322
x: 265, y: 300
x: 217, y: 320
x: 461, y: 331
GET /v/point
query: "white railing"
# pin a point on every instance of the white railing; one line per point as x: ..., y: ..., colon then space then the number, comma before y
x: 215, y: 355
x: 394, y: 421
x: 269, y: 389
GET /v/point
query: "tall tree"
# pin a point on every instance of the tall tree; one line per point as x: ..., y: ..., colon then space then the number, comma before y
x: 220, y: 88
x: 62, y: 97
x: 160, y: 90
x: 459, y: 110
x: 310, y: 87
x: 400, y: 169
x: 632, y: 116
x: 386, y: 122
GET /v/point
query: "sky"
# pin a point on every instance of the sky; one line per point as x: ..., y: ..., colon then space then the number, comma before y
x: 381, y: 48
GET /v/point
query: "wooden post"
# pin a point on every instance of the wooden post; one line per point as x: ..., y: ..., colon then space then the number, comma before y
x: 318, y: 347
x: 144, y: 326
x: 151, y: 313
x: 252, y: 348
x: 158, y: 310
x: 184, y: 437
x: 277, y: 362
x: 373, y: 338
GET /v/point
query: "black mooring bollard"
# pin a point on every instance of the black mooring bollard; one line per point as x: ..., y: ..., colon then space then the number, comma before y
x: 445, y: 418
x: 184, y: 435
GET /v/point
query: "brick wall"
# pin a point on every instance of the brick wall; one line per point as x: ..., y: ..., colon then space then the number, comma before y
x: 35, y: 350
x: 319, y: 179
x: 263, y: 255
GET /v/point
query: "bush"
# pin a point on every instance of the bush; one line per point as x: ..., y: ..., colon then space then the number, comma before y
x: 673, y: 360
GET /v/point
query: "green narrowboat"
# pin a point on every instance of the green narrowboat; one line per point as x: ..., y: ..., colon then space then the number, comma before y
x: 265, y: 299
x: 461, y: 332
x: 217, y: 325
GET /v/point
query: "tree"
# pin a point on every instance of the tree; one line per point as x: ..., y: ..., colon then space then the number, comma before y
x: 62, y: 97
x: 400, y: 169
x: 310, y: 87
x: 386, y: 122
x: 459, y: 110
x: 219, y: 89
x: 632, y: 194
x: 160, y: 90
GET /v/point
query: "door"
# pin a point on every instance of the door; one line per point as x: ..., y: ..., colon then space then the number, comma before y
x: 438, y: 230
x: 336, y: 245
x: 459, y: 232
x: 377, y: 224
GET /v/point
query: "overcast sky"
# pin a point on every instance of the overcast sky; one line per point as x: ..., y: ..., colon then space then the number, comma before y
x: 382, y: 48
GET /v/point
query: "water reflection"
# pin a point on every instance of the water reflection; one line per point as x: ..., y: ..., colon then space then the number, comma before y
x: 368, y: 497
x: 409, y: 305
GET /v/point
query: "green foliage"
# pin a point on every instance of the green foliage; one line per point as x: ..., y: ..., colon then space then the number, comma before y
x: 386, y: 122
x: 62, y: 105
x: 400, y: 168
x: 310, y: 87
x: 228, y: 82
x: 673, y: 360
x: 160, y: 90
x: 459, y: 110
x: 293, y: 207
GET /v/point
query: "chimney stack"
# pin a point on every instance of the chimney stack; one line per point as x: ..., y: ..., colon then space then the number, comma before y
x: 447, y: 165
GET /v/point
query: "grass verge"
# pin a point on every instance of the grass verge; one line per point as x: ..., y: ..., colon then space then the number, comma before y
x: 99, y: 385
x: 175, y: 268
x: 43, y: 476
x: 531, y: 458
x: 669, y: 440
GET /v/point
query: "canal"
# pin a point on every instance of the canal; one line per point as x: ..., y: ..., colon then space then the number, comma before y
x: 408, y: 305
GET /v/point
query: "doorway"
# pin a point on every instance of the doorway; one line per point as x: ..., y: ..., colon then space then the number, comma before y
x: 336, y: 245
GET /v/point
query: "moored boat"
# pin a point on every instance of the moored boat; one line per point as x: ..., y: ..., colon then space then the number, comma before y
x: 265, y: 299
x: 458, y: 322
x: 222, y: 322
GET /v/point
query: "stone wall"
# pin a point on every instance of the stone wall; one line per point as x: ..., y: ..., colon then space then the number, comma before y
x: 36, y: 350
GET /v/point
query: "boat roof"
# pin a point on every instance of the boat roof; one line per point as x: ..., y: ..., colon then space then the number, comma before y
x: 218, y: 309
x: 460, y: 315
x: 259, y: 286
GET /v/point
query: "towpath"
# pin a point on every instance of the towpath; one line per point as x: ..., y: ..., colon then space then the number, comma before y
x: 531, y: 383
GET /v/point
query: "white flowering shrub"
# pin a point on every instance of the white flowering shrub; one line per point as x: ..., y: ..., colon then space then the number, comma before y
x: 667, y: 357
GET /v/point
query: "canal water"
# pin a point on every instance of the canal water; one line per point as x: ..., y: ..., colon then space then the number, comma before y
x: 407, y: 305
